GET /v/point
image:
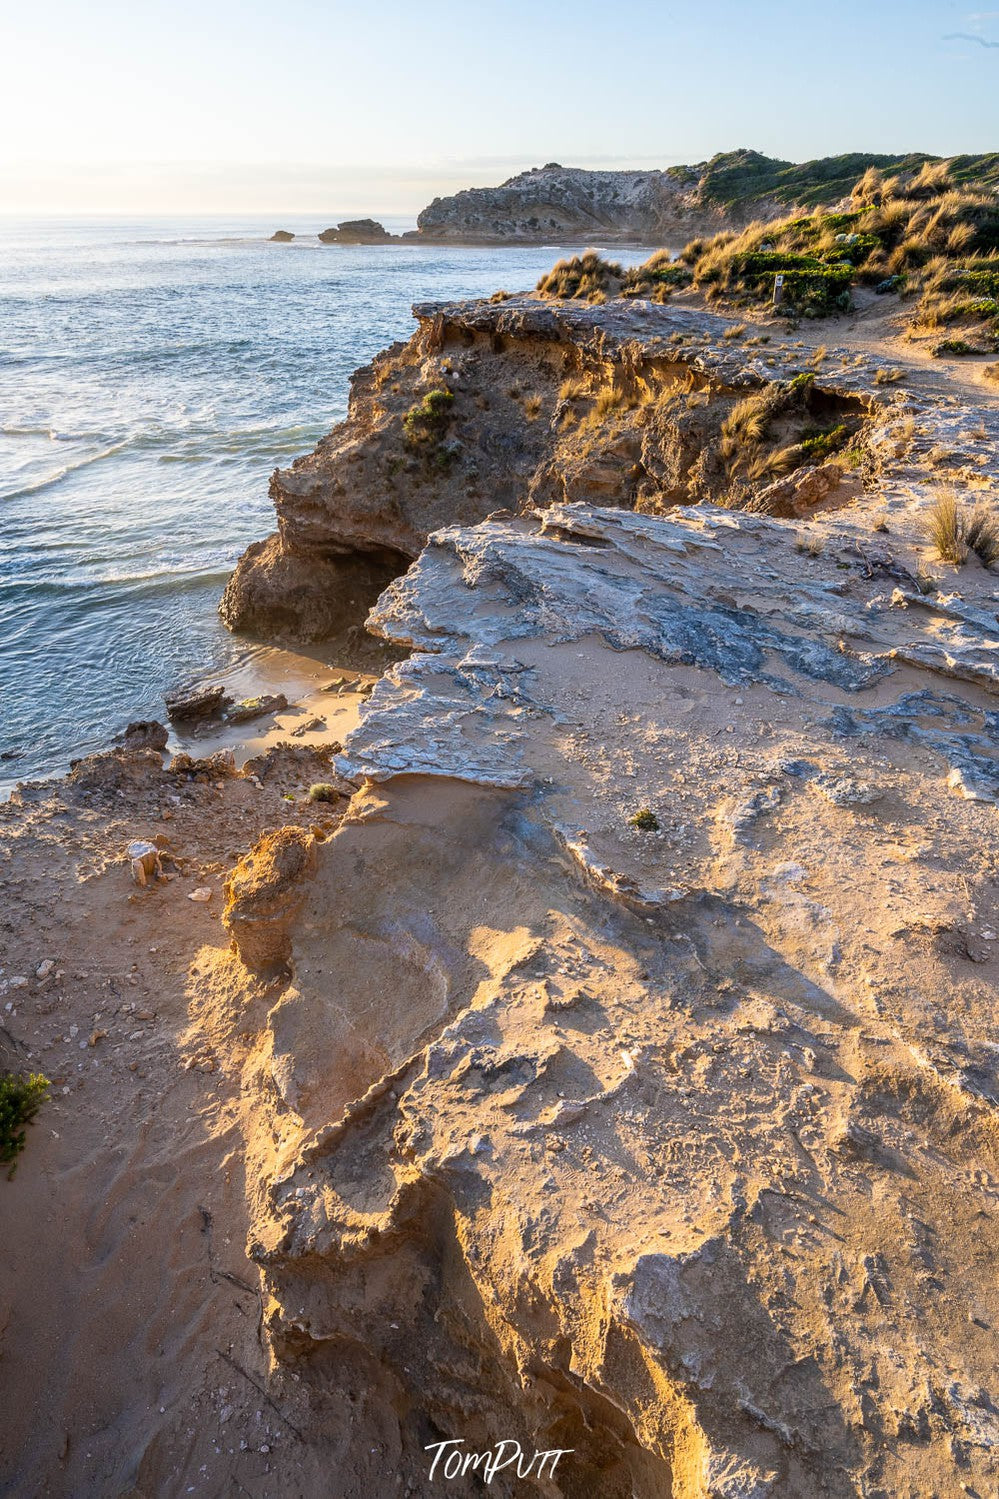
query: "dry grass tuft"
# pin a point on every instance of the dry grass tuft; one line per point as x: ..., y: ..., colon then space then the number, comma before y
x: 956, y: 534
x: 573, y: 390
x: 981, y: 532
x: 943, y: 526
x: 609, y: 400
x: 587, y: 277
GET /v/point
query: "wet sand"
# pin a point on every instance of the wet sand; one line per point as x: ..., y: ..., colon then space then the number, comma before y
x: 306, y: 682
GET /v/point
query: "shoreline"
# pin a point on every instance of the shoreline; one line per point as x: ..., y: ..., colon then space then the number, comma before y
x: 304, y: 680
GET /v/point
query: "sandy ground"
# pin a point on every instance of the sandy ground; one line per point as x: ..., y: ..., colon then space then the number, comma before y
x: 323, y: 704
x: 124, y: 1260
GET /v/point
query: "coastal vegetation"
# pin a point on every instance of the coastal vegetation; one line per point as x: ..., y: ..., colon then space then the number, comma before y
x: 582, y: 277
x: 958, y: 531
x: 741, y: 178
x: 926, y: 235
x: 21, y: 1096
x: 426, y: 421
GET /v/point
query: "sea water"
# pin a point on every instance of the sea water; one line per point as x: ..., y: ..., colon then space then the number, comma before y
x: 152, y: 375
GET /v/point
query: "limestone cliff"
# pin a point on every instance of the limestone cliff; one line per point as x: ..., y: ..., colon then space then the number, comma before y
x: 553, y: 203
x: 515, y: 403
x: 595, y: 1050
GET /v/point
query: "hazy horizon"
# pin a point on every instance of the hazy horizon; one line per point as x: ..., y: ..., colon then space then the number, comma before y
x: 241, y: 108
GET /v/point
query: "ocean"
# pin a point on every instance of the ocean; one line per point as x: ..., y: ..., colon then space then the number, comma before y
x: 152, y: 375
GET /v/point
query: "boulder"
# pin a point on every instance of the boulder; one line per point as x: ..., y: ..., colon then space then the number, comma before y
x: 145, y: 734
x: 799, y: 492
x: 195, y: 704
x: 144, y: 858
x: 264, y: 894
x: 256, y: 707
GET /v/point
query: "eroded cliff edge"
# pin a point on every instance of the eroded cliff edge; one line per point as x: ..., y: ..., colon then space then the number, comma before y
x: 516, y: 403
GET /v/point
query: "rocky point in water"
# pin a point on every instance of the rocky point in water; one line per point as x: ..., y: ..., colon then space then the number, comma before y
x: 357, y: 232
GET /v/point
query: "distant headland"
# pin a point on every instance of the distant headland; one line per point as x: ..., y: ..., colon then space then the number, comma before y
x: 553, y: 203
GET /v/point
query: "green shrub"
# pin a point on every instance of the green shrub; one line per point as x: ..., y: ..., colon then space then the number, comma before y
x: 322, y: 791
x: 819, y: 291
x: 21, y: 1096
x: 657, y: 274
x: 426, y: 422
x: 984, y: 283
x: 818, y: 445
x: 645, y: 820
x: 954, y: 346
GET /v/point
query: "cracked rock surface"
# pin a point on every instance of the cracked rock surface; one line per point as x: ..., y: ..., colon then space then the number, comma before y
x: 674, y: 1147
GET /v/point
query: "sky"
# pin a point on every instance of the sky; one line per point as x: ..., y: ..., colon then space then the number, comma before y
x: 302, y: 106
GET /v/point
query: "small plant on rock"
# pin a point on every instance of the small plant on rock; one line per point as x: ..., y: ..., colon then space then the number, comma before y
x: 981, y: 532
x: 21, y: 1096
x: 424, y: 424
x: 645, y: 820
x: 322, y: 791
x: 944, y: 528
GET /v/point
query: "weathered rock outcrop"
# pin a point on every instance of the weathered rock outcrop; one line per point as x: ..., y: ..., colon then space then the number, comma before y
x: 554, y: 203
x: 357, y: 232
x: 264, y: 893
x: 676, y: 1148
x: 538, y: 402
